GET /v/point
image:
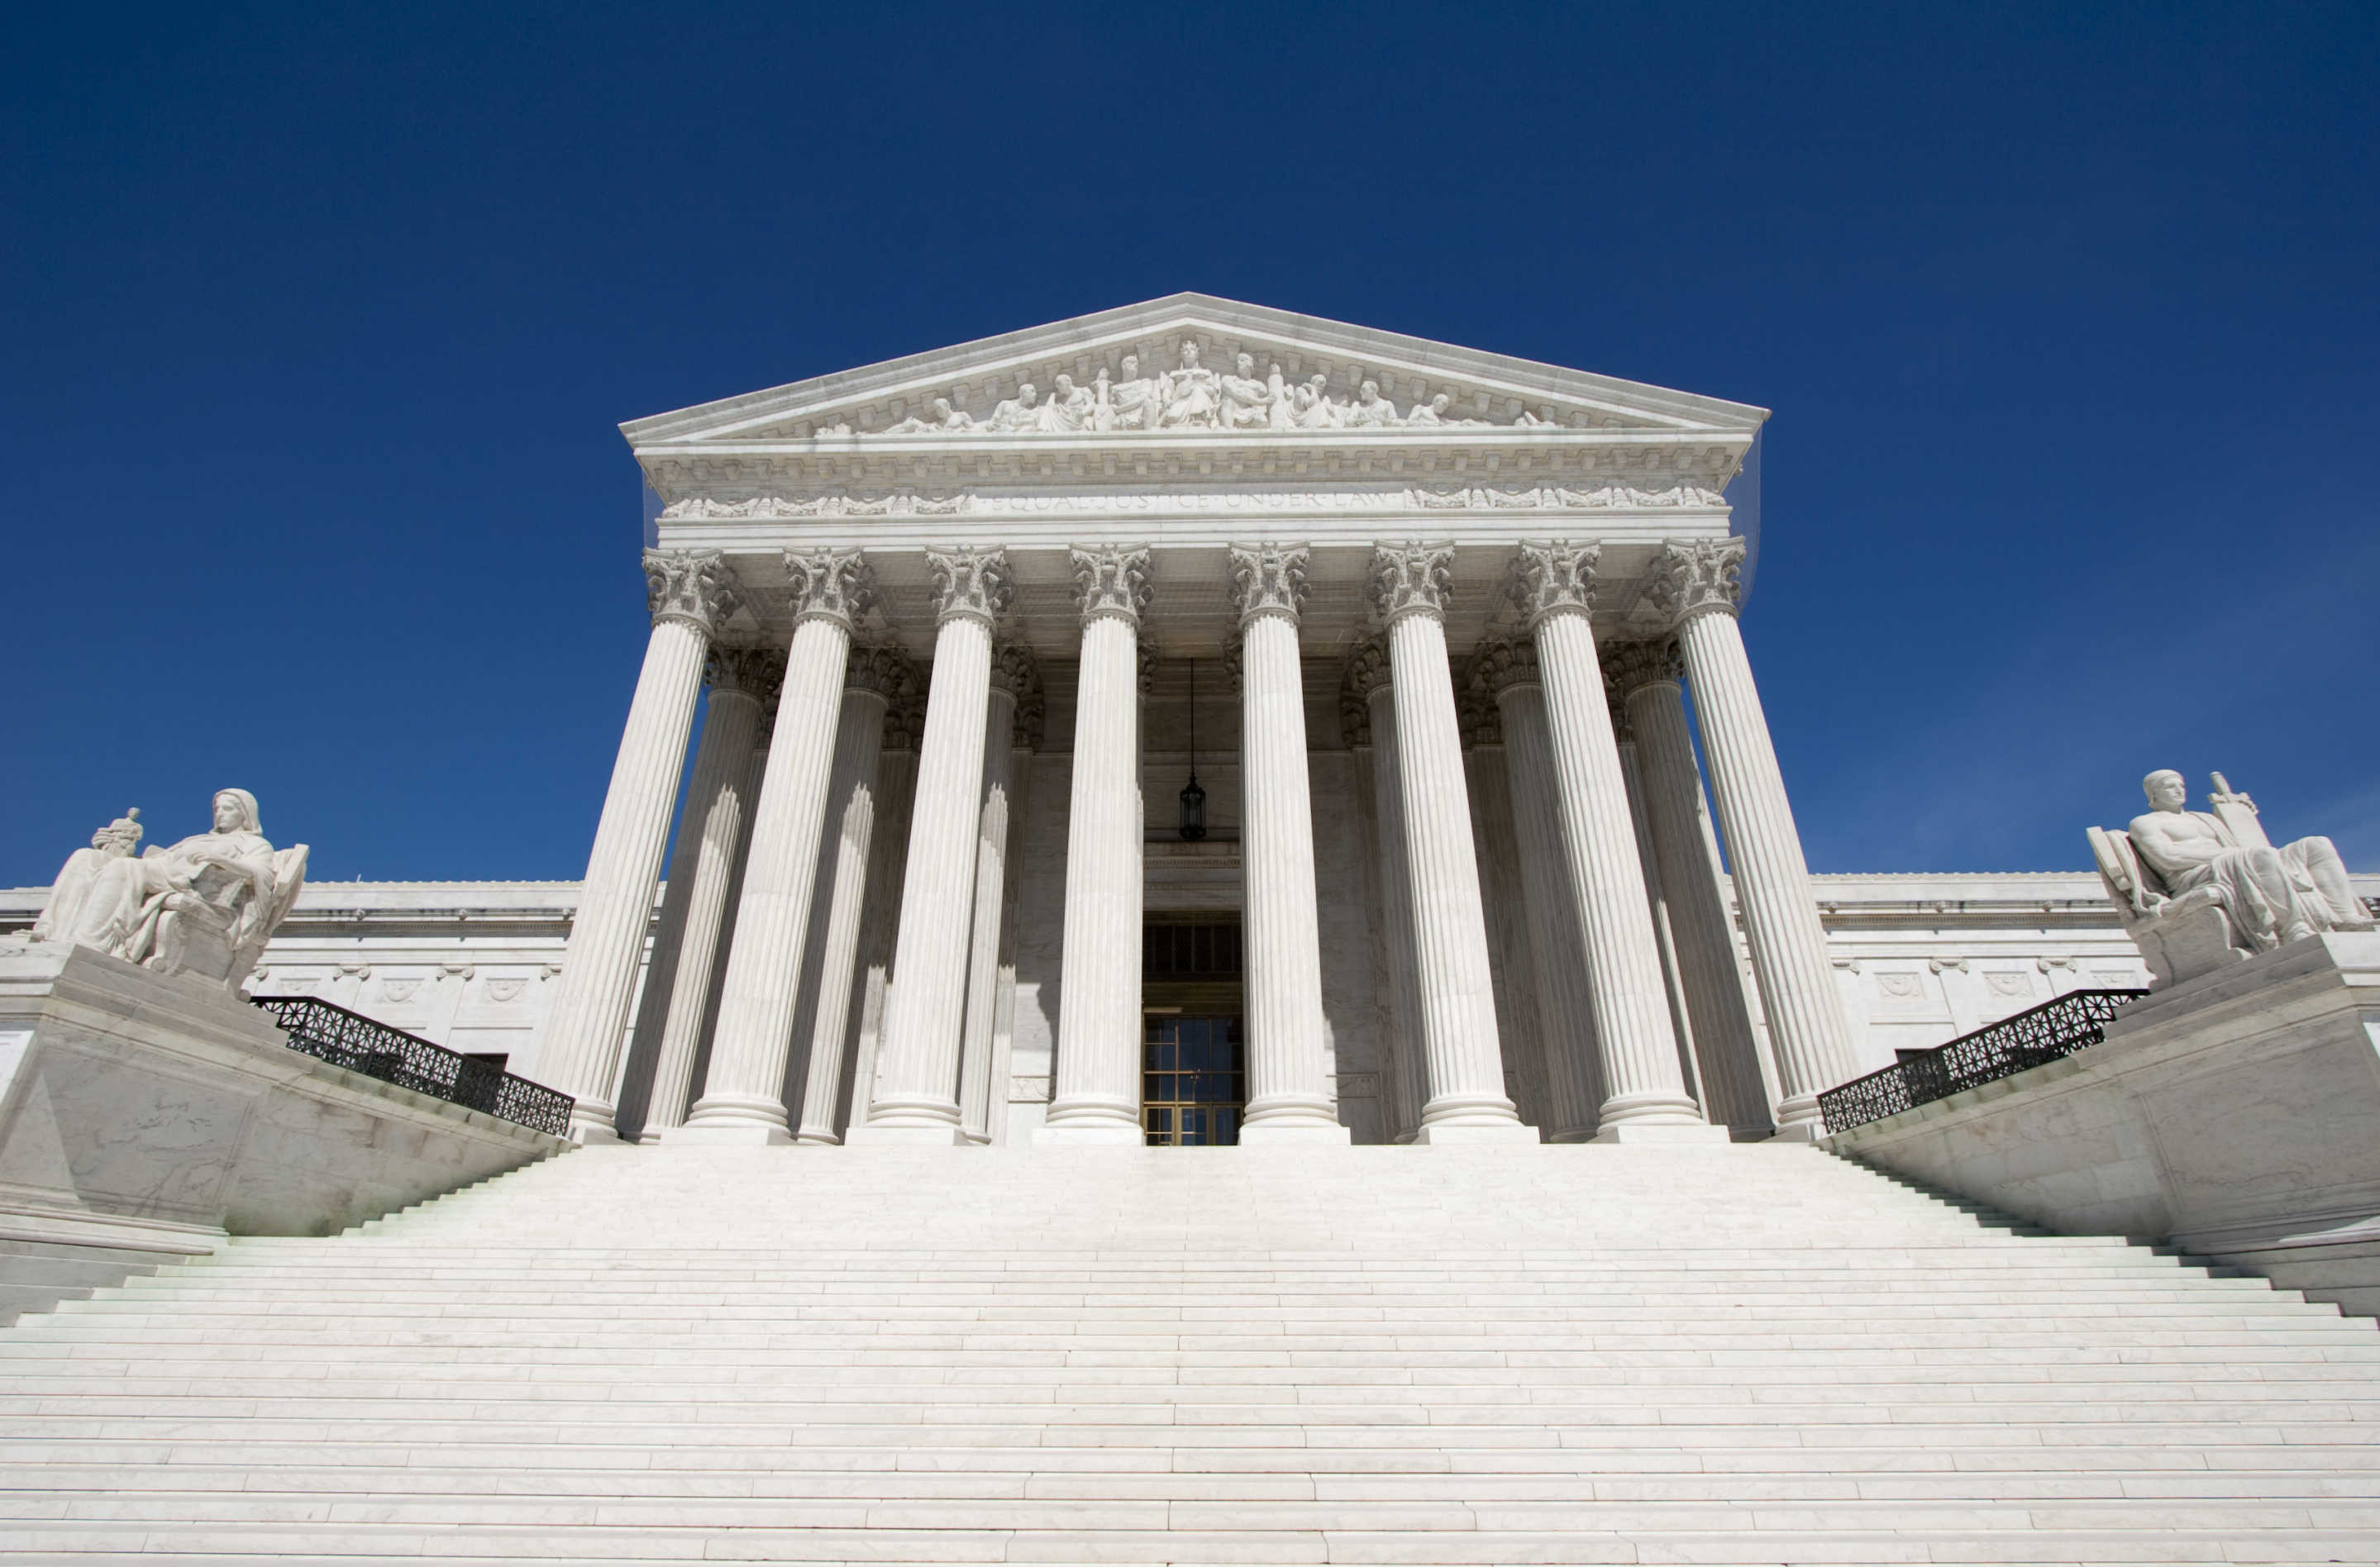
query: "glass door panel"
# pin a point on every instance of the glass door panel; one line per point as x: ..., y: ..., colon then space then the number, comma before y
x: 1194, y: 1076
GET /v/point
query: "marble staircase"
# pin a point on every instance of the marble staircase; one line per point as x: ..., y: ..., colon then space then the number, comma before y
x: 1749, y: 1353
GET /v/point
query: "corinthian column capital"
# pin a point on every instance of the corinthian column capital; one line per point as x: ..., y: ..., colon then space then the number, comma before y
x: 971, y: 585
x: 1367, y: 667
x: 1629, y: 667
x: 831, y: 585
x: 1268, y: 579
x: 693, y: 586
x: 1691, y: 579
x: 1014, y: 670
x: 1501, y: 665
x: 882, y: 671
x: 1111, y: 582
x: 1412, y: 578
x: 1555, y: 578
x: 757, y: 671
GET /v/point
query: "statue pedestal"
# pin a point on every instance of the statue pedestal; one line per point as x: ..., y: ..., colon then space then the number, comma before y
x: 2235, y: 1115
x: 147, y: 1116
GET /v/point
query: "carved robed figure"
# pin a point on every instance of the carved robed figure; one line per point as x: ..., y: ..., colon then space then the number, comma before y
x: 205, y: 906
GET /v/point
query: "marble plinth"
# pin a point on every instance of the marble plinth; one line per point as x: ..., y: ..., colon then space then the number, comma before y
x: 2236, y: 1115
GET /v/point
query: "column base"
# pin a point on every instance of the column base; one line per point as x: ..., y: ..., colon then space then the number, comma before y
x: 1802, y: 1132
x: 907, y: 1137
x: 1664, y: 1132
x: 727, y: 1134
x: 1479, y: 1132
x: 588, y: 1133
x: 1265, y: 1134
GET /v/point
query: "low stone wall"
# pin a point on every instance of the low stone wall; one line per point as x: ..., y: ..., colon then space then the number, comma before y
x: 148, y: 1116
x: 2236, y: 1116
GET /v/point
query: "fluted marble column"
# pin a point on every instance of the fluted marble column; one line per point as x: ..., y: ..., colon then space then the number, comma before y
x: 1096, y: 1097
x: 1807, y: 1031
x: 1013, y: 680
x: 872, y: 678
x: 916, y: 1086
x: 1643, y: 676
x: 1552, y: 585
x: 1289, y: 1091
x: 743, y: 1092
x: 1565, y: 1009
x: 689, y: 594
x: 1409, y: 586
x: 656, y: 1087
x: 896, y: 770
x: 1368, y: 679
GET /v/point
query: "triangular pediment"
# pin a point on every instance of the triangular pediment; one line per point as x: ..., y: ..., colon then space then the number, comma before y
x: 1303, y: 381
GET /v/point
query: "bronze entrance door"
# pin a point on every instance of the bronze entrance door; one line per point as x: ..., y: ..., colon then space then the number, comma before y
x: 1193, y: 1081
x: 1194, y: 1058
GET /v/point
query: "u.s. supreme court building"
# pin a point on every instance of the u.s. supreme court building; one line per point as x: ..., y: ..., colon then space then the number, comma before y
x: 1057, y: 756
x: 1193, y: 722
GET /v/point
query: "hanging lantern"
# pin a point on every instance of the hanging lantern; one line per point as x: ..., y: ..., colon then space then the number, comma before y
x: 1193, y: 799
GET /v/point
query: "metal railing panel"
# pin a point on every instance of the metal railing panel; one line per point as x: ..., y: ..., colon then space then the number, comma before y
x: 329, y: 1032
x: 2053, y: 1029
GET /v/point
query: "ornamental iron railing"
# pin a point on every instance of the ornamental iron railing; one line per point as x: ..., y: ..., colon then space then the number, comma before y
x: 2046, y: 1033
x: 331, y: 1033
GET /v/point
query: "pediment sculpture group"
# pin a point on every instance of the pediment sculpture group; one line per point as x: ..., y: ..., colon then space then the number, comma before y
x: 1192, y: 395
x: 2200, y: 890
x: 205, y: 906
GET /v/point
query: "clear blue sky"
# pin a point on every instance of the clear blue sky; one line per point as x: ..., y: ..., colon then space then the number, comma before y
x: 319, y: 321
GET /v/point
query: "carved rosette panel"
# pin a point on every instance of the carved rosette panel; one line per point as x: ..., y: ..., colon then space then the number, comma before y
x: 1144, y: 672
x: 1557, y: 578
x: 1501, y: 665
x: 1693, y: 578
x: 756, y: 671
x: 829, y: 585
x: 1268, y: 579
x: 1410, y: 579
x: 1111, y: 582
x: 971, y: 584
x: 1234, y: 662
x: 693, y: 586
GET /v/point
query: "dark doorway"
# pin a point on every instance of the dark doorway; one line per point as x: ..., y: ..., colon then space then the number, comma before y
x: 1194, y: 1058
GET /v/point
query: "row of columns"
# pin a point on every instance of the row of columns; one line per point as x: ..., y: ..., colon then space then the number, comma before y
x: 1613, y: 1042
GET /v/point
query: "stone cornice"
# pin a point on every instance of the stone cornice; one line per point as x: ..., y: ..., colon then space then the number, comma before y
x: 693, y: 586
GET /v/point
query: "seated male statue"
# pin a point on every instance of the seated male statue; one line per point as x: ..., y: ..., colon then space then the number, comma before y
x: 206, y: 904
x: 2273, y: 896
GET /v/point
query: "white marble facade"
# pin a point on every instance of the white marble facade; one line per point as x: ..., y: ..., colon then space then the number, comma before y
x: 925, y: 634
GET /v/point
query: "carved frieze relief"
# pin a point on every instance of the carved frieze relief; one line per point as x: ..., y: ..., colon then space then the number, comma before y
x: 972, y: 502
